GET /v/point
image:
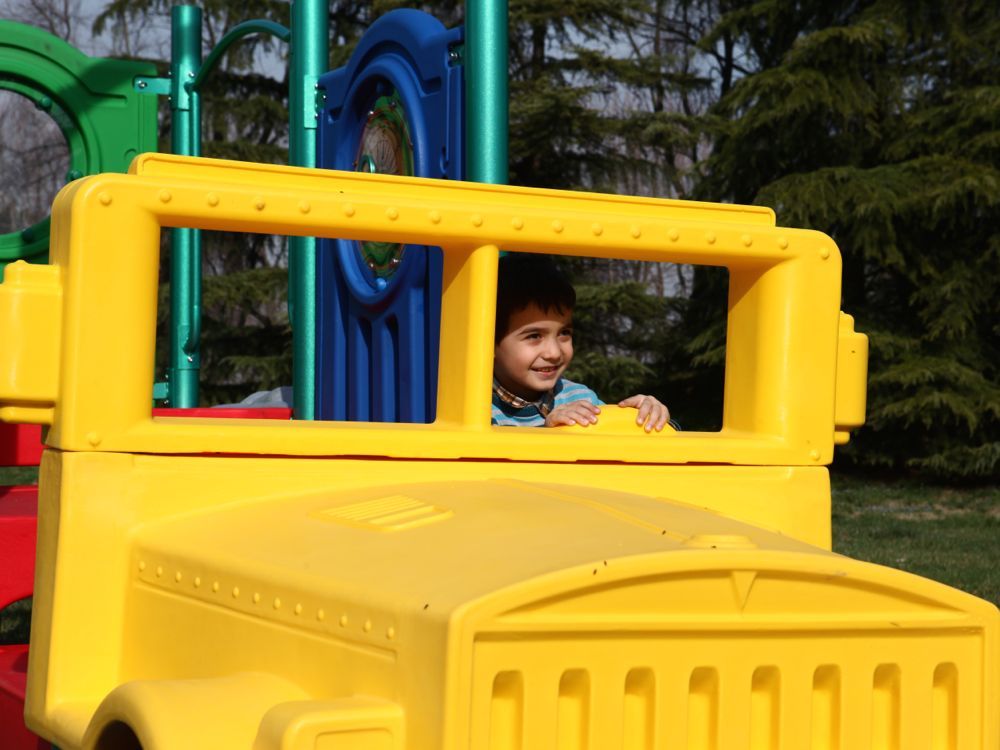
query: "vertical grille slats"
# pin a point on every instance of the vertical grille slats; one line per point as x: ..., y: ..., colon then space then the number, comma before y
x: 743, y: 697
x: 507, y: 712
x: 703, y: 709
x: 639, y: 730
x: 765, y: 708
x: 886, y: 699
x: 826, y: 708
x: 573, y: 712
x: 944, y: 708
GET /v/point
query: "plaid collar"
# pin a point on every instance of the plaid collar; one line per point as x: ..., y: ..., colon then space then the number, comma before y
x: 543, y: 405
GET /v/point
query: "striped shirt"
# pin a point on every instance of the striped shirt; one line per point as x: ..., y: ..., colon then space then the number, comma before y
x: 510, y: 410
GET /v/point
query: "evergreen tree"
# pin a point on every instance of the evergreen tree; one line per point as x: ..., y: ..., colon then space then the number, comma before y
x: 878, y: 124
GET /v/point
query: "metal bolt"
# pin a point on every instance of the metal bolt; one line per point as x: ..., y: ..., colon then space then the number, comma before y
x: 143, y: 84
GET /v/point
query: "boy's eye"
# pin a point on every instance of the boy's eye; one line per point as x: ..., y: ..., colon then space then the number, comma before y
x: 566, y: 332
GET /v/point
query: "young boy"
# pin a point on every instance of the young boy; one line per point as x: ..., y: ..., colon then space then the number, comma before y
x: 534, y: 346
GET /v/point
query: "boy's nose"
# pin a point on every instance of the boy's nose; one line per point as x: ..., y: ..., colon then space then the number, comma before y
x: 551, y: 351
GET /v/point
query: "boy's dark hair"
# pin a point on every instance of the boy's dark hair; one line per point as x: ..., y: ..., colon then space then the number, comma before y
x: 526, y: 279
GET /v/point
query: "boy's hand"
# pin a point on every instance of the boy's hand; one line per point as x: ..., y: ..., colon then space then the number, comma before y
x: 652, y: 414
x: 582, y: 413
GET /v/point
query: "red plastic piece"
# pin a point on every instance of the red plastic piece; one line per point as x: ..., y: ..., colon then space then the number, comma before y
x: 20, y: 444
x: 228, y: 412
x: 13, y: 676
x: 18, y: 513
x: 18, y: 523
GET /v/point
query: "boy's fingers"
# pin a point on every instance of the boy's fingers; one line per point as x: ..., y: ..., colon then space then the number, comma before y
x: 644, y: 411
x: 661, y: 420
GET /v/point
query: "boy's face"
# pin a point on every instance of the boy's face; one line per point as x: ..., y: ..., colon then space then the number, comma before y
x: 536, y: 350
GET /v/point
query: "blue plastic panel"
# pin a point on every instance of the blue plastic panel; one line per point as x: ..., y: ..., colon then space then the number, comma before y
x: 378, y: 324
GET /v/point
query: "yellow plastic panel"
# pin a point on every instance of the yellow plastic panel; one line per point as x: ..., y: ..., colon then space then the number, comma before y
x: 782, y: 327
x: 852, y: 379
x: 200, y: 714
x: 93, y: 504
x: 30, y: 308
x: 358, y: 723
x: 744, y: 648
x: 213, y: 567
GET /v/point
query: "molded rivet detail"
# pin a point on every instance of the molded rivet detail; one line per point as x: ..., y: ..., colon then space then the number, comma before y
x: 142, y: 565
x: 212, y: 199
x: 259, y: 204
x: 557, y: 226
x: 321, y: 615
x: 635, y: 232
x: 215, y: 586
x: 298, y: 609
x: 824, y: 252
x: 477, y: 220
x: 197, y: 582
x: 178, y: 576
x: 673, y: 234
x: 814, y: 454
x: 343, y: 621
x: 746, y: 239
x: 710, y: 238
x: 236, y: 592
x: 517, y: 222
x: 277, y: 602
x: 782, y: 243
x: 165, y: 196
x: 368, y: 626
x: 104, y: 198
x: 597, y: 229
x: 391, y: 213
x: 256, y: 597
x: 159, y: 571
x: 94, y: 438
x: 390, y: 633
x: 304, y: 207
x: 348, y: 209
x: 434, y: 216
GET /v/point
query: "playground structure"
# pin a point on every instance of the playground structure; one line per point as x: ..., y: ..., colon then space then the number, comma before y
x: 443, y: 583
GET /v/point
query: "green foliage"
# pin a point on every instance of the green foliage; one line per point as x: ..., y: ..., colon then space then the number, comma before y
x: 873, y: 121
x: 614, y: 327
x: 881, y: 129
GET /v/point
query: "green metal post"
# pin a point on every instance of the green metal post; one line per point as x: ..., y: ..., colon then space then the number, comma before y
x: 486, y: 90
x: 185, y: 252
x: 309, y: 58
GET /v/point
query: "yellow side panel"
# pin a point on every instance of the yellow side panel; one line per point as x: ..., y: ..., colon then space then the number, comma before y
x: 31, y: 309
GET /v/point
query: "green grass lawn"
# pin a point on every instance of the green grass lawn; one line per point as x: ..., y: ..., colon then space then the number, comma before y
x: 951, y: 535
x: 948, y: 534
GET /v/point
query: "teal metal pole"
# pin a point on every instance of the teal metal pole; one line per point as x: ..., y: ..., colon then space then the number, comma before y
x: 309, y: 58
x: 185, y: 252
x: 486, y: 95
